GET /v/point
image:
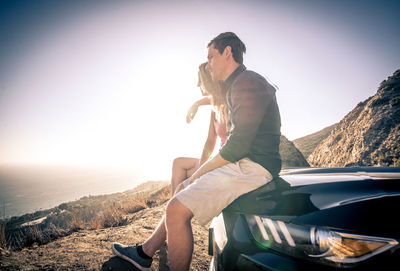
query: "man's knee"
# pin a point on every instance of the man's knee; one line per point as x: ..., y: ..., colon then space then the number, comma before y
x: 177, y: 212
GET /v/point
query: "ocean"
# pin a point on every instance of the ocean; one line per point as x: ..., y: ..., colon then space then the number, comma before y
x: 26, y: 189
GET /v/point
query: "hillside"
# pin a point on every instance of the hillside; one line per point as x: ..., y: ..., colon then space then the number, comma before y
x: 368, y: 135
x: 307, y: 144
x: 83, y: 242
x: 77, y: 235
x: 291, y: 156
x: 90, y: 249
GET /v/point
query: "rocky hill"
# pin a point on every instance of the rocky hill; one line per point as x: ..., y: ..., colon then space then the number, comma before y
x: 369, y: 135
x: 307, y: 144
x: 291, y: 156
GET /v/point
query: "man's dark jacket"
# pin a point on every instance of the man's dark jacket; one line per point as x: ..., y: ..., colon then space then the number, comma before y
x: 254, y: 119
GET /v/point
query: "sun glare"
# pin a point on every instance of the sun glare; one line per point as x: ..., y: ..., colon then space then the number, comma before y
x: 125, y: 109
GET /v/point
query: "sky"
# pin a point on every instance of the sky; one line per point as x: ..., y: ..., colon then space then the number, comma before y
x: 108, y: 83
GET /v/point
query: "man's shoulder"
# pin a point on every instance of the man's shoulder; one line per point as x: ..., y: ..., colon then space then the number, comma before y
x: 250, y: 75
x: 252, y: 79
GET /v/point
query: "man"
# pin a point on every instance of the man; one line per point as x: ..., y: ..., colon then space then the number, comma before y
x: 249, y: 159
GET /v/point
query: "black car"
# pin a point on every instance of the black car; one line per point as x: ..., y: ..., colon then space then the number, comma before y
x: 313, y: 219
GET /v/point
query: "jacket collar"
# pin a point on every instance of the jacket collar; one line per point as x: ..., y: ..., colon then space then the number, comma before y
x: 229, y: 81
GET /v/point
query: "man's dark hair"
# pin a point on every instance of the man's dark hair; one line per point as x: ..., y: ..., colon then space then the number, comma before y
x: 229, y: 39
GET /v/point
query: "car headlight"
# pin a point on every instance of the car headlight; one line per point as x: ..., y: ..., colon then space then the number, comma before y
x: 315, y: 243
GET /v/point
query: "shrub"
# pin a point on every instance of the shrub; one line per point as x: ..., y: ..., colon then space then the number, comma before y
x: 96, y: 224
x: 114, y: 217
x: 395, y: 102
x: 133, y: 206
x: 2, y: 234
x: 36, y: 234
x: 76, y: 223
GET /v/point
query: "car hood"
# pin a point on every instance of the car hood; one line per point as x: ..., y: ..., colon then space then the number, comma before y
x: 299, y: 194
x: 308, y: 179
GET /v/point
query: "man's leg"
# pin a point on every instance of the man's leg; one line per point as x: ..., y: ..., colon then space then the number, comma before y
x: 157, y: 239
x: 154, y: 243
x: 182, y: 168
x: 180, y: 236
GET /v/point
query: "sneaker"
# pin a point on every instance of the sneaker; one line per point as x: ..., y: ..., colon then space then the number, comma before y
x: 130, y: 254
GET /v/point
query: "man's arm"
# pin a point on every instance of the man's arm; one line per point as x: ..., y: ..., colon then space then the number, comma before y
x: 216, y: 162
x: 249, y: 100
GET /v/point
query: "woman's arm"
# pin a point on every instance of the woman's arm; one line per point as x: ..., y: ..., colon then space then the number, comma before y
x: 195, y: 106
x: 207, y: 165
x: 210, y: 142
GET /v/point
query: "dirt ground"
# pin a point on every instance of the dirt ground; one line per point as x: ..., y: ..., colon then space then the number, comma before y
x: 90, y: 249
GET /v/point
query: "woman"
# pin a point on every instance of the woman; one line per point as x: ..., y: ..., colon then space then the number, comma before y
x: 184, y: 167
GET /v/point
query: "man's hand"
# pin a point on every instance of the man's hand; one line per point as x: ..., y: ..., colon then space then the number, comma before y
x: 216, y: 162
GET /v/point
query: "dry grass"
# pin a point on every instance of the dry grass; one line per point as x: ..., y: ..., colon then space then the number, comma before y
x: 113, y: 217
x: 76, y: 223
x: 129, y: 206
x: 87, y: 213
x: 96, y: 224
x: 36, y: 234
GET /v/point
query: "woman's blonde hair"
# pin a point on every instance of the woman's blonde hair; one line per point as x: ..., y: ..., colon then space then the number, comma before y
x: 218, y: 100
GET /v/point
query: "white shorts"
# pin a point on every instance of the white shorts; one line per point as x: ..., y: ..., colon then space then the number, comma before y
x: 211, y: 193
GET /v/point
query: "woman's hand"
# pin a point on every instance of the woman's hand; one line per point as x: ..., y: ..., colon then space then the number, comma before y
x: 192, y: 112
x: 195, y: 106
